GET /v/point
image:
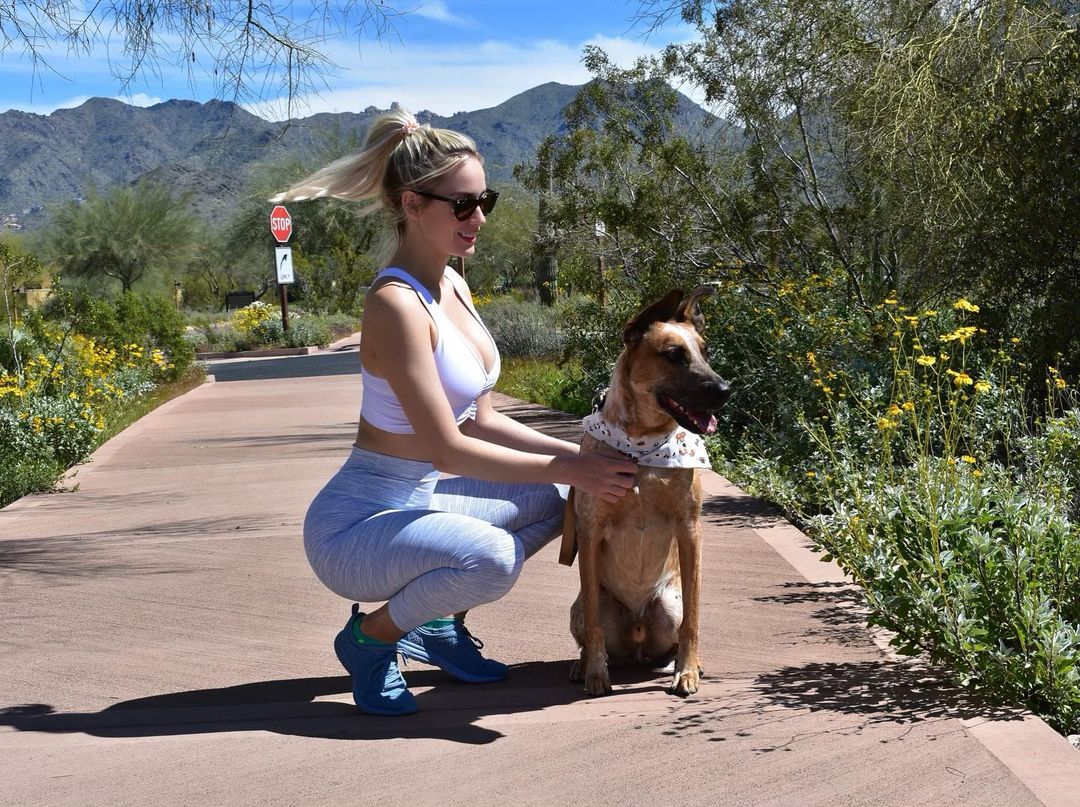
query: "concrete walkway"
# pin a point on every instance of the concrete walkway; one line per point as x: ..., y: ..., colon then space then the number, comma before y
x: 164, y: 642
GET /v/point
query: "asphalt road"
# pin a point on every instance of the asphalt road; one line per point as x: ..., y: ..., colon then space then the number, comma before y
x: 345, y: 362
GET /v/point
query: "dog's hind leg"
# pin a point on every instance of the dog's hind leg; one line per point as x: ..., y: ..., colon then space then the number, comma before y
x: 662, y: 619
x: 616, y: 623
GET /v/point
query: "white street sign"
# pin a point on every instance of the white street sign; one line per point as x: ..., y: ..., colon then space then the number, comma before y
x: 284, y: 264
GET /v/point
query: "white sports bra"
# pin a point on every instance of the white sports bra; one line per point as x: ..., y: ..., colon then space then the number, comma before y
x: 461, y: 369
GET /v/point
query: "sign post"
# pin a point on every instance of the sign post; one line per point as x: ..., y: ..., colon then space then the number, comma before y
x: 281, y: 229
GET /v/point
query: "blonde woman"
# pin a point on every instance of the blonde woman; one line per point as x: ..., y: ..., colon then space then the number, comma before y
x: 387, y: 528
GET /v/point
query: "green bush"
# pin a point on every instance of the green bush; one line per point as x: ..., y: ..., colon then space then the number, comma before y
x: 522, y: 330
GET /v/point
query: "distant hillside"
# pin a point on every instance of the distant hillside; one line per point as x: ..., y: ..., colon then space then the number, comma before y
x: 209, y: 149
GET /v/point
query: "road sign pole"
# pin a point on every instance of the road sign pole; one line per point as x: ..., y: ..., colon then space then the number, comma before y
x: 281, y: 229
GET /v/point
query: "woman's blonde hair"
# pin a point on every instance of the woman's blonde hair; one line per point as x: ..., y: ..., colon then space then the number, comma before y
x: 398, y: 154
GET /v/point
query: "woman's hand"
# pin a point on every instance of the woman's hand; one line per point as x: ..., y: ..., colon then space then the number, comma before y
x: 605, y: 477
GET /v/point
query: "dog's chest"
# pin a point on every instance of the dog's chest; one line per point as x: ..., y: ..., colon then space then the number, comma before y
x: 639, y: 554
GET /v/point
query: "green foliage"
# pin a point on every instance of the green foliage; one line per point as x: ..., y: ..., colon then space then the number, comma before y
x: 261, y: 327
x: 503, y: 259
x: 551, y: 383
x: 125, y: 235
x: 148, y: 322
x: 876, y: 158
x: 521, y: 329
x: 68, y: 373
x: 19, y: 269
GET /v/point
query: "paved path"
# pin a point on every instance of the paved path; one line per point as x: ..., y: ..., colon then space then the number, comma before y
x: 164, y: 642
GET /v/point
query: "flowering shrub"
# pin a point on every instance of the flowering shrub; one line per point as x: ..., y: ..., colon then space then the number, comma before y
x: 60, y: 385
x: 245, y: 320
x: 951, y: 504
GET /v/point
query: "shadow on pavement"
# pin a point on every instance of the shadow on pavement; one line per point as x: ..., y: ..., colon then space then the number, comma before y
x: 449, y: 710
x: 843, y: 614
x: 317, y: 364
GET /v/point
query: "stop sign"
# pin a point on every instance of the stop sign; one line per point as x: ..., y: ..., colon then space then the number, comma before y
x: 280, y: 224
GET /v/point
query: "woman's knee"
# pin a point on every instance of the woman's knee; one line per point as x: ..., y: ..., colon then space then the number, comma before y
x: 495, y: 562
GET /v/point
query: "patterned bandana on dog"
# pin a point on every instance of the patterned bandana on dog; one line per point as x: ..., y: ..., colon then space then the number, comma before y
x: 679, y: 449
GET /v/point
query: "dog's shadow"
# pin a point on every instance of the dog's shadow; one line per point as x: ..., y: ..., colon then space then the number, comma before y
x: 449, y: 710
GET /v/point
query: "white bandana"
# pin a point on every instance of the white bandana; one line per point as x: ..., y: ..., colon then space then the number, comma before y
x: 679, y: 449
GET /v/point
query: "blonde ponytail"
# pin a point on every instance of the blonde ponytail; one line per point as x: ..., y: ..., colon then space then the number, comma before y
x: 398, y: 154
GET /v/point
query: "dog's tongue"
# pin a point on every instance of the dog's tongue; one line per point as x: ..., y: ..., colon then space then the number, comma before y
x: 706, y: 421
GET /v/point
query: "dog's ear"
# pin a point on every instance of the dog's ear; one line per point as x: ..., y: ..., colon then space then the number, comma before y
x: 660, y: 311
x: 688, y: 309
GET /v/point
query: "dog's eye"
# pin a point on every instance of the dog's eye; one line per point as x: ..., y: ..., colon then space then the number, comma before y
x: 677, y: 355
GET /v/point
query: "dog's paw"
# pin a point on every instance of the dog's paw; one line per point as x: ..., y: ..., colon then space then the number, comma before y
x: 686, y: 682
x: 577, y: 672
x: 597, y: 681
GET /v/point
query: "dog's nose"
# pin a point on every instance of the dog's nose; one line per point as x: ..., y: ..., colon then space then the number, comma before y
x: 722, y: 390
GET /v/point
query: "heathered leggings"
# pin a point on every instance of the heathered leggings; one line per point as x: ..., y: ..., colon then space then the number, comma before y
x: 385, y: 528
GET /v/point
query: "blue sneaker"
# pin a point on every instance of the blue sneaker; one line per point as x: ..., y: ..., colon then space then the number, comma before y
x: 378, y: 687
x: 452, y: 648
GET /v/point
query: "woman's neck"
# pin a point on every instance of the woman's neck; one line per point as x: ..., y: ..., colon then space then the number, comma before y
x: 423, y: 264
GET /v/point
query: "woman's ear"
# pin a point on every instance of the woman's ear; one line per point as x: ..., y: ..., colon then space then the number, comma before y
x: 411, y: 204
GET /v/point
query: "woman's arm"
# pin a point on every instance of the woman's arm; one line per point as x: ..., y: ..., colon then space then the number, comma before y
x: 495, y: 427
x: 395, y: 318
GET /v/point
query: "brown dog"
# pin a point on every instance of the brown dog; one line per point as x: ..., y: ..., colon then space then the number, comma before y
x: 640, y: 560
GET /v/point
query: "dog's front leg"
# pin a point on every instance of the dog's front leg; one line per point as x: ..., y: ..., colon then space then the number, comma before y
x: 594, y: 648
x: 687, y: 666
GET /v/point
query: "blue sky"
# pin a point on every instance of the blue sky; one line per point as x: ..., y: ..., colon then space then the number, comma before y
x: 444, y: 55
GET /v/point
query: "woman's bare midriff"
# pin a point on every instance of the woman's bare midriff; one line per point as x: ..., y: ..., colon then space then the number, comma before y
x: 406, y: 446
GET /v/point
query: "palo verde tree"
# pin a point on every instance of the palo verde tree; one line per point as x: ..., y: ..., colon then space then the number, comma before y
x: 126, y: 235
x: 929, y: 148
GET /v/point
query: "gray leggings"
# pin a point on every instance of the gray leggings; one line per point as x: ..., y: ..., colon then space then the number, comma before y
x: 385, y: 528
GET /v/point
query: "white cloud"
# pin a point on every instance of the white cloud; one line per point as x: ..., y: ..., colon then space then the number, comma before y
x: 450, y: 79
x: 437, y: 10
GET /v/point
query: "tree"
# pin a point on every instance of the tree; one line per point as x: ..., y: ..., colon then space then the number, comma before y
x: 124, y: 235
x: 929, y: 148
x: 504, y: 252
x: 18, y: 269
x: 250, y: 49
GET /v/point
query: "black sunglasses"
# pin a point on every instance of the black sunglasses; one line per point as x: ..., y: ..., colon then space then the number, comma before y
x: 464, y: 207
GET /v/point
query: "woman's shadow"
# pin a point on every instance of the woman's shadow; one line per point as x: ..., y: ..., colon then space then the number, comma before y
x: 449, y: 710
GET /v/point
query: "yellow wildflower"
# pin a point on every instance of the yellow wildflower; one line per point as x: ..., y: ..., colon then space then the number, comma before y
x: 926, y: 361
x: 893, y: 410
x: 960, y: 335
x: 1059, y: 382
x: 964, y: 305
x: 908, y: 406
x: 885, y: 423
x: 960, y: 379
x: 982, y: 386
x: 970, y: 460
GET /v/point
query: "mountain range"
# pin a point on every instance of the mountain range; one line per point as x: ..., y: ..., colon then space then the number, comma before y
x: 210, y: 149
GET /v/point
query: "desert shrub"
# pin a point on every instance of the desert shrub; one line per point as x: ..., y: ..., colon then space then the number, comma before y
x: 522, y: 329
x: 934, y: 486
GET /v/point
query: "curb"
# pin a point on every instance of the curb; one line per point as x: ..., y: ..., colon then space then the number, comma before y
x: 1045, y: 762
x: 248, y: 354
